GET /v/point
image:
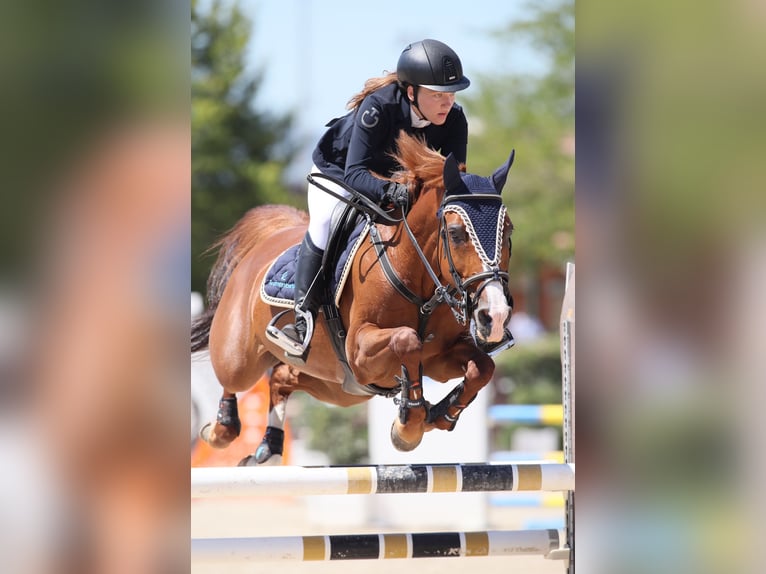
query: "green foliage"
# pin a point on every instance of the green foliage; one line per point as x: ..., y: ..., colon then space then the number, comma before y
x: 340, y: 433
x: 238, y: 152
x: 527, y: 374
x: 535, y: 115
x: 530, y: 373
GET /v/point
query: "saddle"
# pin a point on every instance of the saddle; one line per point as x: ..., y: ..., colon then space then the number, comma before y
x: 349, y: 227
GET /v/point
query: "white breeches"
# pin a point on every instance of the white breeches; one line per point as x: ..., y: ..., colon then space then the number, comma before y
x: 321, y: 206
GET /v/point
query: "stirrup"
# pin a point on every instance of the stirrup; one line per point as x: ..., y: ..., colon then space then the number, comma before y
x: 284, y: 341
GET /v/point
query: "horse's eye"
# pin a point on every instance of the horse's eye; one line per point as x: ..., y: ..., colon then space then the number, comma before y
x: 457, y: 234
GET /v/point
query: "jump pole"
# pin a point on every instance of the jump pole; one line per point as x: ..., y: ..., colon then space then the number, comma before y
x: 378, y: 546
x: 550, y: 415
x: 243, y: 481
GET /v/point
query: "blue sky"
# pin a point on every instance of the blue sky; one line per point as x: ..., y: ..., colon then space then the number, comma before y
x: 315, y: 54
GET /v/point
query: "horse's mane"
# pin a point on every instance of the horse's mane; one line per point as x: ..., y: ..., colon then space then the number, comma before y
x: 420, y: 164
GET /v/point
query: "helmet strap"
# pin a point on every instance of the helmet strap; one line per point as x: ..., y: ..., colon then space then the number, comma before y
x: 414, y: 101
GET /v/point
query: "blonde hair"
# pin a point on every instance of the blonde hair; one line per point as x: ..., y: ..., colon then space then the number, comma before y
x: 372, y: 85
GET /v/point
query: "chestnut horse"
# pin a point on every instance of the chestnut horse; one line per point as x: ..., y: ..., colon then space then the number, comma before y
x: 427, y: 295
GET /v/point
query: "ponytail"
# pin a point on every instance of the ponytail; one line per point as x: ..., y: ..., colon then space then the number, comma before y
x: 372, y: 85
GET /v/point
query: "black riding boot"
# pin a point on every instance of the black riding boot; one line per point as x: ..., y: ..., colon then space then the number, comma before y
x: 308, y: 283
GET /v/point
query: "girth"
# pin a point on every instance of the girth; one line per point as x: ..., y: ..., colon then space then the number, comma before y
x: 344, y: 221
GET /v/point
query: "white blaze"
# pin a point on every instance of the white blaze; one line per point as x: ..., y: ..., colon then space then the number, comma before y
x: 493, y: 302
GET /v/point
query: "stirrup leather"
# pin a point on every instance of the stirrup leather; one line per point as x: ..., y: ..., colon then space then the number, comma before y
x: 283, y: 340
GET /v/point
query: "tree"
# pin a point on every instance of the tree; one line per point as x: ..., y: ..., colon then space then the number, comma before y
x: 535, y: 115
x: 238, y: 152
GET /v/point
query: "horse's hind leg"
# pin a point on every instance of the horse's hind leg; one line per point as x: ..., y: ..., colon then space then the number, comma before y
x: 233, y: 378
x: 282, y: 382
x: 227, y: 425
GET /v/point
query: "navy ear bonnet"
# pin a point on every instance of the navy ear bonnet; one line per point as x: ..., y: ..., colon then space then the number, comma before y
x: 482, y: 216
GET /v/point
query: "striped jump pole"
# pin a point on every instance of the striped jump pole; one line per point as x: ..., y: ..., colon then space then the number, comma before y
x: 551, y: 415
x: 243, y: 481
x: 528, y: 499
x: 527, y: 456
x: 379, y: 546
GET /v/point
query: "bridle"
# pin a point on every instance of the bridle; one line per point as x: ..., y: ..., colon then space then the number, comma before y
x: 457, y: 296
x: 493, y: 273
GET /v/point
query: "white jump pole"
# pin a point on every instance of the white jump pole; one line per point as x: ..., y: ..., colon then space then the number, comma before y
x: 385, y: 479
x: 378, y: 546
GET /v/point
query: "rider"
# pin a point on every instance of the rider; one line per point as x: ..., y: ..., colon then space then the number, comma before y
x: 418, y: 98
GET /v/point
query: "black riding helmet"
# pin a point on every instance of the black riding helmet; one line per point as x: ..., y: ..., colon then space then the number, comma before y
x: 433, y: 65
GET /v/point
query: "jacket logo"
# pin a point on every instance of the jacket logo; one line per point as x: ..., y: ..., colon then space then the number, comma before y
x: 370, y: 118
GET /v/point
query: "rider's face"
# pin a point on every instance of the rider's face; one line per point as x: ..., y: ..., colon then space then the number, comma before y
x: 433, y: 105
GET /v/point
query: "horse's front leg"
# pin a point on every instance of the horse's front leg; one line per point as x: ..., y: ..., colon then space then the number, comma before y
x: 477, y: 368
x: 375, y: 353
x: 408, y: 428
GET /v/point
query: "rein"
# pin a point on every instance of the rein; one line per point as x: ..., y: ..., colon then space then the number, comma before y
x: 368, y: 207
x: 442, y: 294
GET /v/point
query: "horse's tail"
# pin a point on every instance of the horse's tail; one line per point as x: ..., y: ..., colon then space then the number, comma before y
x: 252, y: 229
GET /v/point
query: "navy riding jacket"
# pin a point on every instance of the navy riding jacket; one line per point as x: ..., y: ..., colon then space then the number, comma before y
x: 360, y: 142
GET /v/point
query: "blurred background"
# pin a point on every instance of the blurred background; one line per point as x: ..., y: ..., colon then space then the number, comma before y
x: 97, y: 229
x: 670, y: 252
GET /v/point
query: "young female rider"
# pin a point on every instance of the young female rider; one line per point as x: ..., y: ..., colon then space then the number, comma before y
x: 419, y: 99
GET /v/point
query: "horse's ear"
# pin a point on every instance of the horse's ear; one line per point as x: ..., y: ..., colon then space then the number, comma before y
x: 500, y: 175
x: 452, y: 179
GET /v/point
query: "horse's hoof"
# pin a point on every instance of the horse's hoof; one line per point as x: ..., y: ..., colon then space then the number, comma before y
x: 221, y: 440
x: 249, y: 460
x: 273, y: 442
x: 204, y: 432
x: 400, y: 444
x: 262, y: 453
x: 254, y: 460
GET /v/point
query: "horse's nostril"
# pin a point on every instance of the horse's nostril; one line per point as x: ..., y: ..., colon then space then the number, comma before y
x: 484, y: 318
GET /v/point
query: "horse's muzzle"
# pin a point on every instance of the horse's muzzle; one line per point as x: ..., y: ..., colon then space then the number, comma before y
x: 492, y: 313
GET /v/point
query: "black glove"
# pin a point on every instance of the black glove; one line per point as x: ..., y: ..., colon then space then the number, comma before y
x: 396, y: 194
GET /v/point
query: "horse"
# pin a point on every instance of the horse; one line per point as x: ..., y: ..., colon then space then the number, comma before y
x: 427, y: 295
